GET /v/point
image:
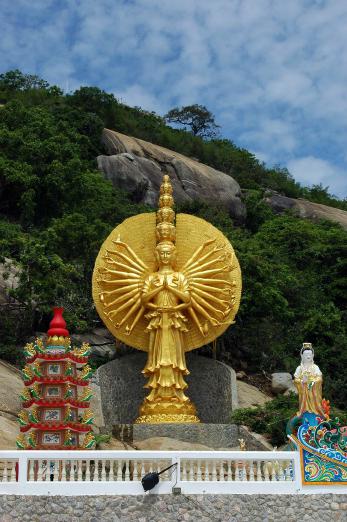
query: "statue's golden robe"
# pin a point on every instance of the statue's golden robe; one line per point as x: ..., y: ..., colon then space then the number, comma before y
x: 166, y: 362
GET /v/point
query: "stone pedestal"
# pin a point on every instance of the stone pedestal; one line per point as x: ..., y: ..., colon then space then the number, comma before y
x: 211, y: 386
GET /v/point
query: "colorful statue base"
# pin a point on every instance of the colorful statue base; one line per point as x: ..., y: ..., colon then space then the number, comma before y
x: 323, y: 453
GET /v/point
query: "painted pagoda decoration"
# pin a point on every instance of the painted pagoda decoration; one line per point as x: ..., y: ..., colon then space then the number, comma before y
x: 56, y: 397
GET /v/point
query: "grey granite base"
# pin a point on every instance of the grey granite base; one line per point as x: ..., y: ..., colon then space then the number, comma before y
x: 211, y: 386
x: 215, y: 436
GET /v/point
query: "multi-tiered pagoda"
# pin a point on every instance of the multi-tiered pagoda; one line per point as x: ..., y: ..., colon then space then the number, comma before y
x: 56, y: 396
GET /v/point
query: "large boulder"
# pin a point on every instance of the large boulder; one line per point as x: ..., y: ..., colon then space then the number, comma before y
x: 10, y: 405
x: 101, y: 341
x: 282, y: 382
x: 305, y: 209
x: 249, y: 396
x: 137, y: 166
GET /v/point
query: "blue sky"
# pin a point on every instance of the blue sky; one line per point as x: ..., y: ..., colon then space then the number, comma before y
x: 273, y: 72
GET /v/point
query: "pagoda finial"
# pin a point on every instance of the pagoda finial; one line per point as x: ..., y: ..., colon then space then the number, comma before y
x: 57, y: 326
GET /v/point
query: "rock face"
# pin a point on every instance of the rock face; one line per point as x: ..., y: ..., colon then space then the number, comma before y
x: 249, y: 396
x: 306, y: 209
x: 9, y: 280
x: 213, y: 436
x: 10, y: 405
x: 138, y: 166
x: 282, y: 382
x: 102, y: 342
x: 212, y: 387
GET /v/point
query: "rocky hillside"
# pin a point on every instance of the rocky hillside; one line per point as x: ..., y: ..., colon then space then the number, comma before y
x: 137, y: 166
x: 305, y: 209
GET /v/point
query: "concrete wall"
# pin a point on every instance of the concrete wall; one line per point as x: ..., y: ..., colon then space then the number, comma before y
x: 173, y: 508
x: 212, y: 387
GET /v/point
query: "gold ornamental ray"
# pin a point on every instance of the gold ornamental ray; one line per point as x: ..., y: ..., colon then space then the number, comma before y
x: 166, y: 284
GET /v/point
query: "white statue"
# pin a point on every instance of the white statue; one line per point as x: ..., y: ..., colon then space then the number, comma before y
x: 308, y: 381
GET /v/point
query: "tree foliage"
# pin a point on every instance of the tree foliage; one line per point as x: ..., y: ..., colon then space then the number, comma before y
x: 197, y: 117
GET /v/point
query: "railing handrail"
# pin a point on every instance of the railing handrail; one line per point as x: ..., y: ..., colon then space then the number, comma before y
x: 130, y: 454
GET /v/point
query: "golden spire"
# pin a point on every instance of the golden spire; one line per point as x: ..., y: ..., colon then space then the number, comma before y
x: 165, y: 229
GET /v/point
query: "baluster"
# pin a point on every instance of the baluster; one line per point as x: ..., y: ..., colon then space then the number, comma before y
x: 69, y: 470
x: 4, y: 471
x: 230, y: 473
x: 281, y: 472
x: 63, y: 471
x: 87, y: 470
x: 40, y: 470
x: 151, y: 466
x: 113, y: 475
x: 259, y: 477
x: 135, y: 471
x: 243, y: 471
x: 207, y: 472
x: 221, y: 471
x: 266, y: 472
x: 214, y: 471
x: 237, y: 476
x: 191, y: 470
x: 287, y: 471
x: 31, y: 470
x: 75, y: 470
x: 198, y: 472
x: 13, y: 472
x: 127, y: 470
x: 102, y: 470
x: 142, y: 468
x: 184, y: 469
x: 119, y: 471
x: 251, y: 471
x: 96, y: 471
x: 79, y: 470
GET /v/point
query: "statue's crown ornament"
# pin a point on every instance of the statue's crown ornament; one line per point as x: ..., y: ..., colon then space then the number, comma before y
x: 166, y: 230
x: 306, y: 346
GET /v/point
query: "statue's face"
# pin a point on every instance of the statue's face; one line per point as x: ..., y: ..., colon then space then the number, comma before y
x: 166, y: 231
x: 307, y: 356
x: 166, y: 255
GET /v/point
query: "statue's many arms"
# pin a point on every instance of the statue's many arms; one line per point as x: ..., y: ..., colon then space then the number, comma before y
x: 166, y: 286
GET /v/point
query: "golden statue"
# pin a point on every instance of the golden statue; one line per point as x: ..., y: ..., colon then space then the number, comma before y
x: 166, y: 288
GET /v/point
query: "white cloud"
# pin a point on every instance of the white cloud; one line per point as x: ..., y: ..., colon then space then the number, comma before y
x: 273, y: 73
x: 313, y: 171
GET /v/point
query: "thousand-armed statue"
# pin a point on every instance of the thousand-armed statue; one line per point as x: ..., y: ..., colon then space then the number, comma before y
x: 166, y: 285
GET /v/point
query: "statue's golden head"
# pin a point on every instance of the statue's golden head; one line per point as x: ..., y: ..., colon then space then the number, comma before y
x: 165, y: 254
x: 166, y: 232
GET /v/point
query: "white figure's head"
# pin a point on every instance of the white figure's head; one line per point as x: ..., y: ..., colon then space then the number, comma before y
x: 307, y: 353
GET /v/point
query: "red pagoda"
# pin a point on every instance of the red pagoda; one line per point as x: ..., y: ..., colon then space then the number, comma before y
x: 56, y: 396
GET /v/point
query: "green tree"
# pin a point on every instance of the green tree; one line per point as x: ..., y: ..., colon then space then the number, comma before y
x: 197, y: 117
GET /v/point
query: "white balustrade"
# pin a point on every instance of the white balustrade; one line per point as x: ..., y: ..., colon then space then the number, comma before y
x: 120, y: 472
